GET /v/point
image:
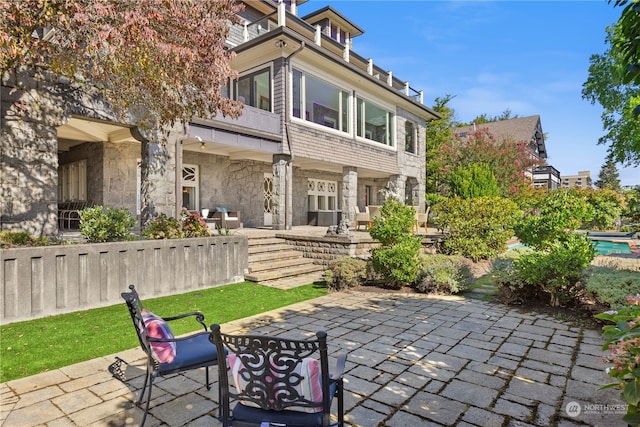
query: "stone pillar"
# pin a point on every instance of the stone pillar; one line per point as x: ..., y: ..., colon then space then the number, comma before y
x: 158, y: 178
x: 396, y: 187
x: 282, y: 192
x: 30, y: 112
x: 349, y: 192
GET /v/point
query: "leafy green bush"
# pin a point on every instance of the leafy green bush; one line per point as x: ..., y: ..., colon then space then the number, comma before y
x: 345, y: 273
x: 190, y: 224
x: 476, y: 228
x: 558, y: 270
x: 611, y: 286
x: 98, y: 224
x: 555, y: 215
x: 397, y: 258
x: 474, y: 180
x: 607, y: 207
x: 9, y: 239
x: 443, y: 274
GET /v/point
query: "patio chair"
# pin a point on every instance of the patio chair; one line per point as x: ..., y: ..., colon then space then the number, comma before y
x: 167, y: 354
x: 361, y: 217
x: 224, y: 218
x: 278, y: 381
x: 421, y: 220
x: 374, y: 211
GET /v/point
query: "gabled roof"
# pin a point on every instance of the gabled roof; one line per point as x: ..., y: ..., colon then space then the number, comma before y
x: 527, y: 129
x: 334, y: 16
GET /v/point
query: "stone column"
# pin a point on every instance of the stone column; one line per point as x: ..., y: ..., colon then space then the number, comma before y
x: 30, y: 112
x: 349, y: 192
x: 282, y: 192
x: 158, y: 178
x: 396, y: 187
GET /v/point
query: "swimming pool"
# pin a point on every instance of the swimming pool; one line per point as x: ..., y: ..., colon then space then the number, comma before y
x: 602, y: 246
x: 607, y: 247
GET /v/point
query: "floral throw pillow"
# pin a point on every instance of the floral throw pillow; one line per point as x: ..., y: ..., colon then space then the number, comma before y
x: 158, y: 328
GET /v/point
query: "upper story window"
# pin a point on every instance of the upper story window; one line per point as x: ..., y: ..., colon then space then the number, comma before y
x: 410, y: 137
x: 374, y: 123
x: 319, y: 102
x: 338, y: 34
x: 254, y: 89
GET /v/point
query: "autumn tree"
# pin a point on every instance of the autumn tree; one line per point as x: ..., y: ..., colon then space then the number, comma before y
x: 508, y: 160
x: 155, y: 62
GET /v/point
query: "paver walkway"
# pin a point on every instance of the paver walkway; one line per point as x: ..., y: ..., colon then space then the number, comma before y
x: 413, y: 360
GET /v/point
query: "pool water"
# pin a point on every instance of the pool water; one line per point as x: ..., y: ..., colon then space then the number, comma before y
x: 606, y: 247
x: 603, y: 247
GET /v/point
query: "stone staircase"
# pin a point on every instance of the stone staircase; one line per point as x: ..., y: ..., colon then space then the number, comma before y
x: 273, y: 262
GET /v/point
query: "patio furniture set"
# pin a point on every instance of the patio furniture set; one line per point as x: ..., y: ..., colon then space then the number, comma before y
x: 222, y: 218
x: 366, y: 218
x: 276, y: 381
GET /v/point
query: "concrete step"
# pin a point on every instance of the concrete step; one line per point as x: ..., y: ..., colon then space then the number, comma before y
x: 295, y: 281
x: 261, y: 241
x: 258, y: 249
x: 278, y: 263
x: 263, y: 276
x: 273, y: 256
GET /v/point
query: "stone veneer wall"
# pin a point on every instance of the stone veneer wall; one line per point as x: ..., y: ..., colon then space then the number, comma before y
x: 325, y: 249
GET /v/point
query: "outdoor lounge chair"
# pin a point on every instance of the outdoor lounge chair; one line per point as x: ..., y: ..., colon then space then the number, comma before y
x: 361, y: 218
x: 224, y: 218
x: 278, y: 381
x: 166, y: 354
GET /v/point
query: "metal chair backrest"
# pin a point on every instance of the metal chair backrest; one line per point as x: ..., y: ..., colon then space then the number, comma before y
x: 270, y: 371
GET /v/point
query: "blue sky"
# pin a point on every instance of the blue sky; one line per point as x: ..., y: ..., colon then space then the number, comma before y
x: 530, y: 57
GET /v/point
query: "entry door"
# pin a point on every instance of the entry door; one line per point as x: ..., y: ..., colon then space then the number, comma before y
x: 268, y: 199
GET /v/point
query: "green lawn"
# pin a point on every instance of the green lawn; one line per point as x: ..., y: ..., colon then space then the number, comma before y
x: 34, y: 346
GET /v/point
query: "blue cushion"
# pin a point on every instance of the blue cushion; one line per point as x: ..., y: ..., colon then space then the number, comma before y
x: 221, y: 209
x: 194, y: 352
x: 288, y: 417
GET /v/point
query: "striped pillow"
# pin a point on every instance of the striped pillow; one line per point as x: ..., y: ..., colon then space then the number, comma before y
x: 309, y: 387
x: 158, y: 328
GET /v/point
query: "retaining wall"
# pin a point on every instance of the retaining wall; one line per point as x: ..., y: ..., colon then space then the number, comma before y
x: 43, y: 281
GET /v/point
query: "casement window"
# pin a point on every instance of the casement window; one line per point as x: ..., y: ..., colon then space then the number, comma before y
x: 374, y: 123
x: 72, y: 181
x: 410, y: 137
x: 319, y: 102
x: 254, y: 89
x: 190, y: 184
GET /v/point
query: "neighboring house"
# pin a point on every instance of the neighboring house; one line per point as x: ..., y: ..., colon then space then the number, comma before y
x: 522, y: 129
x: 546, y: 177
x: 323, y: 130
x: 582, y: 180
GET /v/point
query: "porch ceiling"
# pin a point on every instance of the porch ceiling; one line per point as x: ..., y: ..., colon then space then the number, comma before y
x: 79, y: 130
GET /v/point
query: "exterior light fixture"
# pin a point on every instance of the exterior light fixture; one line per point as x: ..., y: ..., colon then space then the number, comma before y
x: 281, y: 43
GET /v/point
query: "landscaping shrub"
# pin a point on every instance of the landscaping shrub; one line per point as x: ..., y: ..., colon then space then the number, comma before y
x: 476, y: 228
x: 9, y: 239
x: 443, y: 274
x: 190, y: 224
x: 611, y: 286
x: 474, y: 180
x: 345, y: 273
x: 397, y: 258
x: 558, y: 270
x: 607, y: 207
x: 99, y: 224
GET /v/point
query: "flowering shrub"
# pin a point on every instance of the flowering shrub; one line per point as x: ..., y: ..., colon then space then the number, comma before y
x: 190, y: 224
x: 623, y: 343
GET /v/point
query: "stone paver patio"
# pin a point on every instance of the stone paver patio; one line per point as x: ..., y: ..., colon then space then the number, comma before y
x: 413, y: 360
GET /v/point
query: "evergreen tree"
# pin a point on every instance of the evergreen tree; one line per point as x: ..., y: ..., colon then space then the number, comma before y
x: 609, y: 177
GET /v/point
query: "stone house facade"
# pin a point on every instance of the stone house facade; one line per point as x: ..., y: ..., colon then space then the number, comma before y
x: 323, y: 130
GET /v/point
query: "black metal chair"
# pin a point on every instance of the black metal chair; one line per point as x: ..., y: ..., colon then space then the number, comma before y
x: 167, y: 354
x: 278, y: 381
